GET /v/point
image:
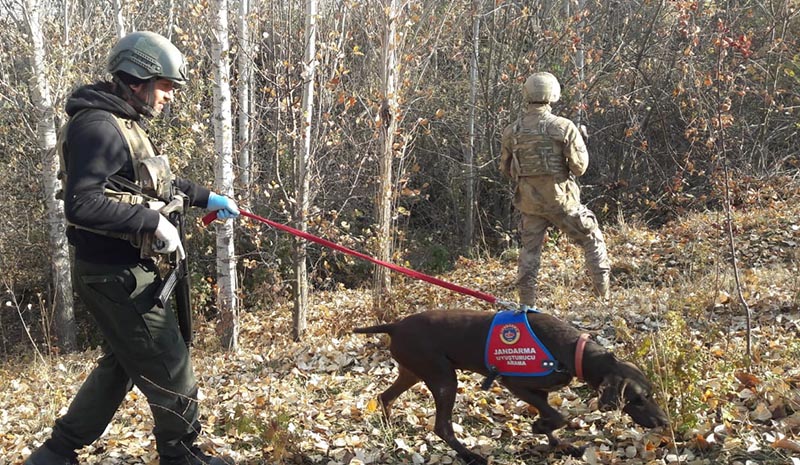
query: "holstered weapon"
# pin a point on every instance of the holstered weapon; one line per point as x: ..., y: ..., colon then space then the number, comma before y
x: 177, y: 279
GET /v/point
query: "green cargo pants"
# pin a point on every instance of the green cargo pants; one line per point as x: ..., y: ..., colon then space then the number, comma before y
x: 143, y: 347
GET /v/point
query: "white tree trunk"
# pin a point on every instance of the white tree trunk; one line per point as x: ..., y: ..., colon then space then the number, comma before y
x: 389, y: 114
x: 243, y: 85
x: 66, y: 25
x: 224, y: 177
x: 302, y: 165
x: 469, y: 160
x: 64, y: 318
x: 580, y: 64
x: 119, y: 19
x: 170, y: 19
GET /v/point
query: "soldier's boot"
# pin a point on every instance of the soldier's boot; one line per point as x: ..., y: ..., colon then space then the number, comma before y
x: 44, y: 456
x: 602, y: 286
x: 197, y: 457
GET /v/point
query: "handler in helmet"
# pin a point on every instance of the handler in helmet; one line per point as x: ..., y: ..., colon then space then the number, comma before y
x: 543, y: 154
x: 115, y: 184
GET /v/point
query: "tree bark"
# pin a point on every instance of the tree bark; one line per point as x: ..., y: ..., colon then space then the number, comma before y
x: 224, y: 178
x: 302, y: 165
x: 469, y: 159
x: 64, y: 318
x: 388, y: 127
x: 119, y: 19
x: 243, y: 86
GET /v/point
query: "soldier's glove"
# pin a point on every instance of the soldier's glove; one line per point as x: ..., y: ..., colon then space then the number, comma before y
x: 224, y: 206
x: 168, y: 238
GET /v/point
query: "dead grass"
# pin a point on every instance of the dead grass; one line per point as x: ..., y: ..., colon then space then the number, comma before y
x: 674, y: 311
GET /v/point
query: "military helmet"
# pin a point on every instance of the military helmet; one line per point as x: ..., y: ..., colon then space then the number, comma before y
x: 541, y: 88
x: 146, y: 55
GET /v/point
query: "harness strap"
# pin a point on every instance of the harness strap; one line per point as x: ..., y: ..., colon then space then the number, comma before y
x: 579, y: 348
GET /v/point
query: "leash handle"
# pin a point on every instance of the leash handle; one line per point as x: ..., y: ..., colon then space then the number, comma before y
x: 210, y: 217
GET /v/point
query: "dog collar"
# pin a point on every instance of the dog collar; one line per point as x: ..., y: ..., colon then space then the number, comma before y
x: 579, y: 347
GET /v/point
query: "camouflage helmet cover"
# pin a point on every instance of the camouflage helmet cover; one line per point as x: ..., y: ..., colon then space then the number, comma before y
x: 148, y: 55
x: 541, y: 88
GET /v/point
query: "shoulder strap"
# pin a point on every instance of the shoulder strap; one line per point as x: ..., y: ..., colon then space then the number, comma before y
x: 61, y: 143
x: 544, y: 123
x: 138, y: 143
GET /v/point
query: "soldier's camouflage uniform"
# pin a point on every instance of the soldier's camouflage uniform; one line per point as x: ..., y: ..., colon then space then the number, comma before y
x: 543, y: 153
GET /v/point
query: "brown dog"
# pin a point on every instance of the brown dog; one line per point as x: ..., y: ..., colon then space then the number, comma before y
x: 431, y: 346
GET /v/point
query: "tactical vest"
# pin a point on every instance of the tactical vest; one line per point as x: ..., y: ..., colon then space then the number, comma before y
x: 535, y: 152
x: 152, y: 186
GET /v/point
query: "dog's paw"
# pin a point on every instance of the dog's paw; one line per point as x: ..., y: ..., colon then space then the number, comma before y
x: 474, y: 459
x: 571, y: 449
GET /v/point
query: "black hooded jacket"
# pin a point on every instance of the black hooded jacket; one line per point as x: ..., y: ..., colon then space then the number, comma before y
x: 95, y: 150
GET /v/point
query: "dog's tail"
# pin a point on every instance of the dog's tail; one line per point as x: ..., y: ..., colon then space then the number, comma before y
x: 377, y: 329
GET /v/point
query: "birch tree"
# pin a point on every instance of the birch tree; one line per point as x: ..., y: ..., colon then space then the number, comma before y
x: 244, y: 63
x: 389, y: 115
x: 224, y: 177
x: 119, y: 18
x: 470, y: 150
x: 302, y: 165
x: 44, y: 116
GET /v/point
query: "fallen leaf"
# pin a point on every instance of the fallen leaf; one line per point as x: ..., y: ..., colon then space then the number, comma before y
x: 787, y: 444
x: 747, y: 379
x: 372, y: 405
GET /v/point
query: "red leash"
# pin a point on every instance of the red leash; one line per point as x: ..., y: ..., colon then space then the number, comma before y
x: 209, y: 218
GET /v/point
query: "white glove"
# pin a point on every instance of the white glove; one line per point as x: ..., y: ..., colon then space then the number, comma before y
x: 168, y: 238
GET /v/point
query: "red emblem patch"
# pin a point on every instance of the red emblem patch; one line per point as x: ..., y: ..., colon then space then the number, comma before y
x: 509, y: 334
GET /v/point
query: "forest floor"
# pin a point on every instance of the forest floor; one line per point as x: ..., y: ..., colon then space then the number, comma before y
x: 675, y: 312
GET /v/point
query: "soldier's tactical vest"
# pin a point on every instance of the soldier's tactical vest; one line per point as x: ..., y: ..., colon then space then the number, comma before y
x: 152, y: 186
x: 535, y: 152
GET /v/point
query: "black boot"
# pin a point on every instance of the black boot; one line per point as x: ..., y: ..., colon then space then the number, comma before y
x: 196, y: 457
x: 44, y: 456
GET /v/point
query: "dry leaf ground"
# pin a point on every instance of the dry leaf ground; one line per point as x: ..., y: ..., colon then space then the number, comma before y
x: 674, y: 311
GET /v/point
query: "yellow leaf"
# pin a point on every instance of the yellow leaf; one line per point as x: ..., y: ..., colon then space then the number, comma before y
x: 372, y: 406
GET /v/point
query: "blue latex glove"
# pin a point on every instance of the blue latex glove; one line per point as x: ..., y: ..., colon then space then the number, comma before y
x: 224, y: 206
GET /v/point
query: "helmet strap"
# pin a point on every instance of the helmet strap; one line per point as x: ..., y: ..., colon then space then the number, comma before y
x: 145, y: 106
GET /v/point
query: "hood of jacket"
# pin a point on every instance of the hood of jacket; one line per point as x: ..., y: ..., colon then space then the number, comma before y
x: 100, y: 96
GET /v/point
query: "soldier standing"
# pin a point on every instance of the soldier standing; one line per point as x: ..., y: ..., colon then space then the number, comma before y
x: 543, y: 154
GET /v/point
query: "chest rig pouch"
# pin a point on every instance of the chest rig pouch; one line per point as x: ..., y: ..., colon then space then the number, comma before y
x: 536, y: 153
x: 152, y: 186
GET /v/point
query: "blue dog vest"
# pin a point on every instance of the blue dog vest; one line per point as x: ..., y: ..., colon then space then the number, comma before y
x: 513, y: 349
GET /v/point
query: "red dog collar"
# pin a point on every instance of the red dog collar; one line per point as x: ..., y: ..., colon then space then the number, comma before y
x: 579, y: 346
